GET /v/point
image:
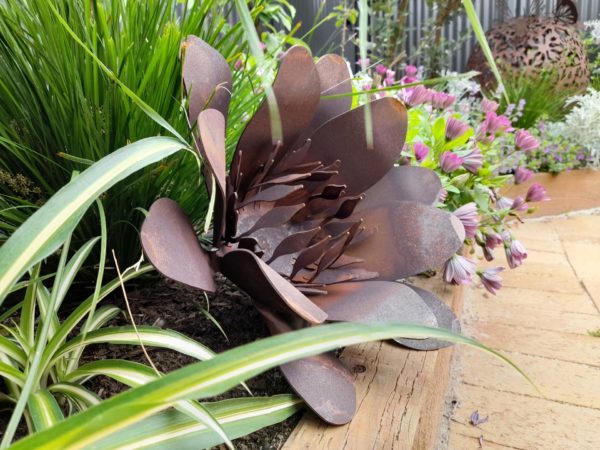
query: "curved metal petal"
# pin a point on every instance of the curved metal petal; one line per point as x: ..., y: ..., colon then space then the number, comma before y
x: 405, y: 238
x: 404, y: 183
x: 335, y: 78
x: 322, y: 381
x: 445, y: 319
x: 171, y: 245
x: 211, y: 145
x: 267, y: 287
x: 206, y: 77
x: 296, y: 89
x: 375, y: 302
x: 344, y: 138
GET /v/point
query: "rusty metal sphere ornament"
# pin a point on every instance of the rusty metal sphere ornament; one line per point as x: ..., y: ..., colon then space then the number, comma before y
x: 532, y: 47
x: 317, y: 227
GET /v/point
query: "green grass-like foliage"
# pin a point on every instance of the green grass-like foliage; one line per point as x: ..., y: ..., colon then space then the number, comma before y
x: 59, y: 110
x: 542, y: 98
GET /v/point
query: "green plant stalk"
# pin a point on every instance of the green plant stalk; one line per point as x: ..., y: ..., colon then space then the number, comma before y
x: 254, y: 44
x: 215, y: 376
x: 363, y: 36
x: 480, y: 35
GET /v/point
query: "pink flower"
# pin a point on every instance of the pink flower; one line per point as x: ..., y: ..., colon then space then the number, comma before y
x: 442, y: 196
x: 482, y: 134
x: 459, y: 270
x: 380, y: 69
x: 455, y: 128
x: 417, y: 96
x: 363, y: 63
x: 504, y: 203
x: 441, y: 100
x: 536, y: 193
x: 496, y: 124
x: 239, y: 65
x: 525, y: 141
x: 491, y: 280
x: 262, y: 45
x: 411, y: 71
x: 515, y: 253
x: 467, y: 214
x: 421, y: 151
x: 519, y: 205
x: 449, y: 162
x: 390, y: 77
x: 522, y: 175
x: 492, y: 240
x: 488, y: 105
x: 473, y: 160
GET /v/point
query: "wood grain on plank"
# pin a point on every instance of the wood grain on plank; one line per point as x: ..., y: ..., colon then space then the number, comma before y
x: 400, y: 395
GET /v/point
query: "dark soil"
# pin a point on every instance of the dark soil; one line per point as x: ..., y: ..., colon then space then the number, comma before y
x: 170, y: 305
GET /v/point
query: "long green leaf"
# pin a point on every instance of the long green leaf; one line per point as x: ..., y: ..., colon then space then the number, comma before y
x: 27, y: 318
x: 44, y: 410
x: 480, y: 35
x: 150, y: 336
x: 48, y: 227
x: 11, y: 373
x: 69, y: 324
x: 72, y: 268
x: 171, y: 430
x: 77, y: 393
x: 134, y: 374
x: 13, y: 351
x: 217, y: 375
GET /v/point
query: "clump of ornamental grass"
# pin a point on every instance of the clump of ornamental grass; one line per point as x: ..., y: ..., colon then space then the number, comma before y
x: 59, y: 111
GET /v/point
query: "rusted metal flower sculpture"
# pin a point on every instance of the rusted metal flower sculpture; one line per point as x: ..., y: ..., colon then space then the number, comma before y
x: 316, y: 227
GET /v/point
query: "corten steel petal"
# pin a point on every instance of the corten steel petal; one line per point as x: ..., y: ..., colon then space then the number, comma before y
x: 445, y: 319
x: 375, y: 302
x: 266, y: 286
x: 405, y: 239
x: 344, y: 138
x: 316, y: 227
x: 322, y: 381
x: 335, y: 79
x: 206, y: 77
x: 296, y: 89
x: 406, y: 183
x: 211, y: 145
x: 171, y: 245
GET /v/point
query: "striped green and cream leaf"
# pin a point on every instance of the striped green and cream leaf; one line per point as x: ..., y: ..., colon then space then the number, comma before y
x: 45, y: 230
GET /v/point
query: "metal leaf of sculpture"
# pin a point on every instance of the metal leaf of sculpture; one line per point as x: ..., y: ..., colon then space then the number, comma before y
x: 535, y: 46
x: 316, y: 227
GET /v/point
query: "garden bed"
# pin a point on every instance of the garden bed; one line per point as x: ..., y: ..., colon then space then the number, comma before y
x: 405, y: 388
x: 568, y: 191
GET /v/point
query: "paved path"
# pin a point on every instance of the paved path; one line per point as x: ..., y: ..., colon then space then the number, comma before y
x: 540, y: 320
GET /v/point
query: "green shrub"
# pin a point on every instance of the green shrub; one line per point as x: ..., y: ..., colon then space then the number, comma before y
x: 59, y: 111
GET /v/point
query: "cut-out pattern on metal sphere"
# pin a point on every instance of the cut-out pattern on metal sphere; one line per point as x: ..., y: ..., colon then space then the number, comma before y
x: 534, y: 46
x: 315, y: 227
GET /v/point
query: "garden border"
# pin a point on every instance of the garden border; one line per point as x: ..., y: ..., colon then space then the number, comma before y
x: 400, y: 394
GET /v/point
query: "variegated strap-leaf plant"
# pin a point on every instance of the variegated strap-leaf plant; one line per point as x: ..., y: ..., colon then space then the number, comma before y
x: 317, y: 226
